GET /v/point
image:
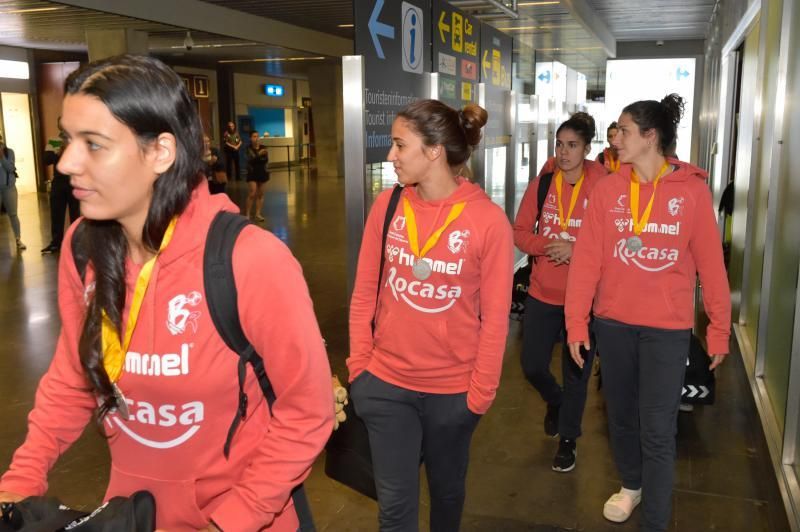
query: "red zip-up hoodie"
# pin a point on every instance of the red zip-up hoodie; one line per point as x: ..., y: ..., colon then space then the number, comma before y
x: 654, y: 286
x: 180, y: 382
x: 549, y: 280
x: 446, y: 334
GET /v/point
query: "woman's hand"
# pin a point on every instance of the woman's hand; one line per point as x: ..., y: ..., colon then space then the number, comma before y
x: 575, y: 351
x: 559, y: 251
x: 716, y: 360
x: 8, y: 496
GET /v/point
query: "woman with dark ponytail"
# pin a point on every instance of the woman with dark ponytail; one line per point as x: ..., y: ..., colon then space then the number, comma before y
x: 547, y: 225
x: 138, y: 348
x: 425, y: 359
x: 609, y: 157
x: 648, y: 232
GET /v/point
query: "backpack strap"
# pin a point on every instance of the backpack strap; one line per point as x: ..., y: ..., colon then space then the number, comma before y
x: 222, y: 300
x: 541, y: 196
x: 387, y: 220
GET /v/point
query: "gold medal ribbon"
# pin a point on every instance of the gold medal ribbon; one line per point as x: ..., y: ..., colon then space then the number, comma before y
x: 564, y: 222
x: 113, y: 350
x: 613, y: 164
x: 413, y: 235
x: 639, y: 224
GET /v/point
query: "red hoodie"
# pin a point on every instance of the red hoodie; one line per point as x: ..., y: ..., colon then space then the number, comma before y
x: 654, y: 286
x: 181, y: 387
x: 548, y: 279
x: 446, y: 334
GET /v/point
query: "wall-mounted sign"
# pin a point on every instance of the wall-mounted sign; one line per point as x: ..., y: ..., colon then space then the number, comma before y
x: 273, y: 90
x: 495, y: 63
x: 393, y: 37
x: 200, y: 84
x: 455, y: 52
x: 14, y: 69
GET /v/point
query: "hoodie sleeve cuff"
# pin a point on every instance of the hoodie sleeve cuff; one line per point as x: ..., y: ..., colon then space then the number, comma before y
x: 578, y: 334
x: 718, y: 346
x: 235, y: 515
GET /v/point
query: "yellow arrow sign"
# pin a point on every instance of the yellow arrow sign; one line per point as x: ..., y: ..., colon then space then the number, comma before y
x: 442, y: 26
x: 486, y: 64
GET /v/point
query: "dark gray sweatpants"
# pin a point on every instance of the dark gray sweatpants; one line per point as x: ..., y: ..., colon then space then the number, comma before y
x: 403, y: 426
x: 643, y: 370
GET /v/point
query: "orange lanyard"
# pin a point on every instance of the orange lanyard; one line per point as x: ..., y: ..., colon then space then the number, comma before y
x: 564, y: 221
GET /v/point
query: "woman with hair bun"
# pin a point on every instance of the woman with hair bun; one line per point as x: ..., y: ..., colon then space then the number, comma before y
x: 648, y: 232
x: 547, y: 225
x: 138, y: 349
x: 425, y: 358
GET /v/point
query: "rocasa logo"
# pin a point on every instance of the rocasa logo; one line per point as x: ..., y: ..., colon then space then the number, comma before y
x: 547, y: 231
x: 438, y: 266
x: 629, y: 257
x: 189, y: 415
x: 400, y: 287
x: 167, y: 365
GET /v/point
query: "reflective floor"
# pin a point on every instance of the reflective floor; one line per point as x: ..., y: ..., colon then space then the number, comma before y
x: 725, y: 480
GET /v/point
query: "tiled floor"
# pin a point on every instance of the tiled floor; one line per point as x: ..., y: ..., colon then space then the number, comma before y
x: 724, y: 477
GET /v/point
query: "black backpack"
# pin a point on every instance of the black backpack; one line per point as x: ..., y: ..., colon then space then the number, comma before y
x: 522, y: 277
x: 221, y: 297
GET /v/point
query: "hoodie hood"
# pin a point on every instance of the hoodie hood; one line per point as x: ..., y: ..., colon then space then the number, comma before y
x: 683, y: 171
x: 466, y: 191
x: 193, y: 223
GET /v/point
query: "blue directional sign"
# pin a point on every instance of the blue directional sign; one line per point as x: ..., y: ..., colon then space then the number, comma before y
x: 394, y: 38
x: 379, y: 29
x: 545, y: 76
x: 680, y: 73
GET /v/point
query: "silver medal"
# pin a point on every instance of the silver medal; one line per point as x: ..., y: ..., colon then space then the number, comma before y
x: 122, y: 405
x: 634, y: 244
x: 421, y: 269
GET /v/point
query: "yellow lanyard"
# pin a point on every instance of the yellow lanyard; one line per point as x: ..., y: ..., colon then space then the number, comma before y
x: 411, y: 224
x: 639, y: 224
x: 113, y: 350
x: 564, y: 222
x: 611, y: 163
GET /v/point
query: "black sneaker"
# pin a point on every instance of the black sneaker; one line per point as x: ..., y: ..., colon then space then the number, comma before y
x: 565, y: 457
x: 551, y: 420
x: 51, y: 248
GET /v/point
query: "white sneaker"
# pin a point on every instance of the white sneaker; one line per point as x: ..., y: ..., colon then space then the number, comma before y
x: 619, y: 507
x: 686, y: 407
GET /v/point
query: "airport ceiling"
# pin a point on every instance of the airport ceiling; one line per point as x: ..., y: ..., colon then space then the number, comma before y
x: 570, y: 31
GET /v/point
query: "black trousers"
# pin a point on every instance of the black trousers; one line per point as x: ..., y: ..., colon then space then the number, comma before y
x: 403, y: 426
x: 61, y: 199
x: 643, y: 370
x: 232, y: 164
x: 543, y: 327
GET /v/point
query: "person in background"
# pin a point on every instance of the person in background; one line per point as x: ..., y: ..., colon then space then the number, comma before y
x: 551, y: 242
x: 422, y: 379
x: 8, y: 190
x: 609, y: 157
x: 233, y: 142
x: 134, y: 153
x: 257, y: 177
x: 214, y: 168
x: 648, y: 232
x: 61, y: 197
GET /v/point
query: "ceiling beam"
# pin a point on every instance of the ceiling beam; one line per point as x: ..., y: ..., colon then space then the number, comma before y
x: 202, y: 16
x: 592, y: 23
